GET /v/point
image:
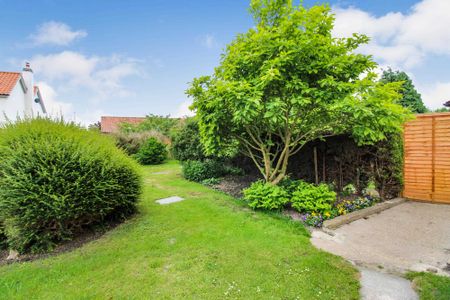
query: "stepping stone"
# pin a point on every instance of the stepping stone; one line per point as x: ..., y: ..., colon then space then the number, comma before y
x: 169, y: 200
x: 161, y: 173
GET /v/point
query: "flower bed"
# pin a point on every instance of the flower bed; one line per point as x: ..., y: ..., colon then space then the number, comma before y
x: 341, y: 207
x: 313, y: 204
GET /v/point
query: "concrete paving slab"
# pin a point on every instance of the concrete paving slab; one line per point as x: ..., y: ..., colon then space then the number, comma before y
x: 380, y: 286
x: 398, y: 239
x: 169, y: 200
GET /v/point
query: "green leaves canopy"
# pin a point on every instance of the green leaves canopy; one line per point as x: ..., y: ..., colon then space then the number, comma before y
x: 287, y: 81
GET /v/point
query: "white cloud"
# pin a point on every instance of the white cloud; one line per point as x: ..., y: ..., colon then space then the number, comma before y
x: 57, y: 108
x: 56, y: 33
x: 54, y: 107
x: 183, y: 110
x: 209, y: 41
x: 435, y: 95
x: 101, y: 76
x: 400, y: 40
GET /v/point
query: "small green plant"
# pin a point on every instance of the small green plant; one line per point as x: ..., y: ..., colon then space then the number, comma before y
x: 152, y: 152
x: 198, y: 171
x: 348, y: 190
x: 211, y: 181
x: 311, y: 198
x: 57, y: 179
x: 264, y: 195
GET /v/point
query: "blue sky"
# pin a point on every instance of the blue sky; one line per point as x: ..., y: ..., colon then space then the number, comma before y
x: 133, y: 58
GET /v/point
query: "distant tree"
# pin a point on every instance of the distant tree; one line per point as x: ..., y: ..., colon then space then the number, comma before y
x: 163, y: 124
x: 410, y: 97
x: 287, y: 82
x: 446, y: 107
x: 95, y: 126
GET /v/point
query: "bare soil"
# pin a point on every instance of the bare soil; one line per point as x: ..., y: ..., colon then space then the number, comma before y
x: 233, y: 185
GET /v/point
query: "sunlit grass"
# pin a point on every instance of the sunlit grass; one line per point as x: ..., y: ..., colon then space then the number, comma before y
x: 207, y: 247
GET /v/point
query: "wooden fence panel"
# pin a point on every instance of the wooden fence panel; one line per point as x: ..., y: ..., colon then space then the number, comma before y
x: 427, y: 158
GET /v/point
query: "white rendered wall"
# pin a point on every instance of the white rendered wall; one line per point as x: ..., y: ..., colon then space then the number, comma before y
x: 14, y: 105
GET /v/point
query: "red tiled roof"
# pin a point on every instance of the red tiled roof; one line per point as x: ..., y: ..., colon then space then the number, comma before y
x: 111, y: 124
x: 8, y: 81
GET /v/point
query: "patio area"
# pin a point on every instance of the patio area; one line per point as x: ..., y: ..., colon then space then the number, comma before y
x: 411, y: 236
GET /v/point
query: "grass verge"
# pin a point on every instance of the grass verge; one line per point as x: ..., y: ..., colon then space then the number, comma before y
x: 207, y: 247
x: 430, y: 286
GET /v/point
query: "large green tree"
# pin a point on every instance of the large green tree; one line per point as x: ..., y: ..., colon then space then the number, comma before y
x: 286, y: 82
x: 410, y: 96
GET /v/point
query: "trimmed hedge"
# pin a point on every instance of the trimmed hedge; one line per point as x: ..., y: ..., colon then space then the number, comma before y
x: 56, y: 179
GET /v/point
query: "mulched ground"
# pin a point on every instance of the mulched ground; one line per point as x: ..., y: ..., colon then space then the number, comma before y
x: 233, y: 185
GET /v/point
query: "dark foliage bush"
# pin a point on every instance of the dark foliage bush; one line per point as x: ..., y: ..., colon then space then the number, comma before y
x: 186, y: 144
x: 152, y: 152
x: 388, y: 167
x: 57, y: 179
x: 262, y: 195
x: 198, y: 171
x: 3, y: 239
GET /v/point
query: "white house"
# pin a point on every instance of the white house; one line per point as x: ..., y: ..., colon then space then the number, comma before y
x: 19, y: 97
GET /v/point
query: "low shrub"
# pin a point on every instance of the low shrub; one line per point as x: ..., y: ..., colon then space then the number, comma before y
x: 211, y: 181
x: 131, y: 142
x: 234, y: 171
x: 56, y: 179
x: 264, y: 195
x: 313, y: 198
x: 198, y: 171
x: 152, y: 152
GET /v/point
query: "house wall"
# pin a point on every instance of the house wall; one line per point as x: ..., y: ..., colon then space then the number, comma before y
x: 13, y: 105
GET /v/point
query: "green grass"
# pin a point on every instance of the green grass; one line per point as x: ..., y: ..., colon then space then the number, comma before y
x: 207, y: 247
x: 430, y: 286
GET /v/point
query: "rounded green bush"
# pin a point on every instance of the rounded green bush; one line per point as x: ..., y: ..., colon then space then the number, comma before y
x: 309, y: 198
x: 152, y: 152
x: 198, y: 171
x: 266, y: 196
x: 57, y: 179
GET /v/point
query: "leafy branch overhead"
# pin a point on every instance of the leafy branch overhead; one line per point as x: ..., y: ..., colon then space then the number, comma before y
x: 288, y: 81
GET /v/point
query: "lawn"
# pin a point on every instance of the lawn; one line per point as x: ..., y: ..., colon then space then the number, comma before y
x: 430, y: 286
x: 207, y: 247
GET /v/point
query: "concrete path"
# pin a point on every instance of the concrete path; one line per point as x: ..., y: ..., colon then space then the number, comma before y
x: 410, y: 236
x: 381, y: 286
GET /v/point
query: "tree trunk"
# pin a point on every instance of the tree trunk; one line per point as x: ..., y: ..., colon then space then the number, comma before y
x: 316, y: 168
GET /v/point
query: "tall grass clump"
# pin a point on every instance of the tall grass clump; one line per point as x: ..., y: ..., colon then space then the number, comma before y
x: 57, y: 179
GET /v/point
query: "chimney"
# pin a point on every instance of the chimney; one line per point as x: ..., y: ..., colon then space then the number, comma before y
x: 27, y: 76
